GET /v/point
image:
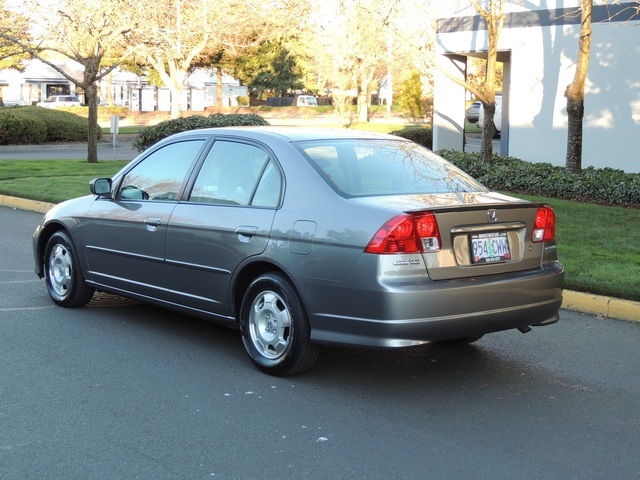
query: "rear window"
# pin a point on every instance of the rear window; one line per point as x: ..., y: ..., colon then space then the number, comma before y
x: 367, y: 167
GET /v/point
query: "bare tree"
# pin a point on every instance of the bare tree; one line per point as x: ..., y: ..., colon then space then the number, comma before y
x: 575, y: 92
x: 85, y: 31
x: 352, y: 41
x: 494, y: 16
x: 171, y: 34
x: 175, y: 34
x: 12, y: 26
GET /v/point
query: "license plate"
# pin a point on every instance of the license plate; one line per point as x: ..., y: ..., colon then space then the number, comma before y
x: 490, y: 248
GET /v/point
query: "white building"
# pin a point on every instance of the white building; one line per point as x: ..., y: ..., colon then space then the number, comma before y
x: 539, y: 48
x: 39, y: 80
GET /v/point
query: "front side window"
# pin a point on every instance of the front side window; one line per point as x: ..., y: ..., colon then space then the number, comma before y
x: 364, y: 167
x: 237, y: 174
x: 161, y: 174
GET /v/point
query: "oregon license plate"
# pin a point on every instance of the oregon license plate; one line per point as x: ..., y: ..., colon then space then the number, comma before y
x: 489, y: 248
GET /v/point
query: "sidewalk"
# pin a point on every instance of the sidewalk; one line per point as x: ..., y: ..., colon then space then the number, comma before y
x: 597, y: 305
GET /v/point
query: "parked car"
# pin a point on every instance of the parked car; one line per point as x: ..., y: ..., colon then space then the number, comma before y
x: 57, y: 101
x: 473, y: 112
x: 13, y: 103
x: 497, y: 117
x: 306, y: 101
x: 303, y: 237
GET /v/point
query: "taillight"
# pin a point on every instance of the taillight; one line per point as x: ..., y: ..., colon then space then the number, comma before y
x: 407, y: 233
x: 544, y: 229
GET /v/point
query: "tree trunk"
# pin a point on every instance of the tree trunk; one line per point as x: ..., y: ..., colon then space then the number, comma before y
x: 363, y: 108
x: 575, y: 93
x: 575, y: 112
x: 495, y: 21
x: 219, y: 93
x: 91, y: 93
x: 486, y: 146
x: 176, y: 94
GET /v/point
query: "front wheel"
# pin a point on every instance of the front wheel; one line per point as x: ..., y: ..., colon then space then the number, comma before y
x: 65, y: 281
x: 275, y: 328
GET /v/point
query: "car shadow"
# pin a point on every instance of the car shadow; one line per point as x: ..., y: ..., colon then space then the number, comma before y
x: 427, y: 369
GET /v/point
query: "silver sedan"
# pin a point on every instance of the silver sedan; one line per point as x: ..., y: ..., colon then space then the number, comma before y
x: 304, y: 237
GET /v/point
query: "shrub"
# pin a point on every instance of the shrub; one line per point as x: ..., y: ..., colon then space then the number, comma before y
x: 605, y: 186
x: 412, y: 101
x: 421, y: 135
x: 60, y: 126
x: 243, y: 100
x: 64, y: 126
x: 151, y: 135
x: 20, y: 129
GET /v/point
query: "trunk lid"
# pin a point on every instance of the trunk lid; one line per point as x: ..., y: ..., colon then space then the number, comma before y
x: 481, y: 233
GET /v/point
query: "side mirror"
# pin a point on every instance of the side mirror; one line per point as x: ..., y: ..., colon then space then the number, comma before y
x: 100, y: 187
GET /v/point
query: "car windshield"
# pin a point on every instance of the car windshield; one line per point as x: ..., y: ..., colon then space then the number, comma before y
x: 364, y: 167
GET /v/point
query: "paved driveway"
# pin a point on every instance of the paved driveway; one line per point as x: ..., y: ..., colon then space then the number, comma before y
x: 106, y: 150
x: 119, y: 389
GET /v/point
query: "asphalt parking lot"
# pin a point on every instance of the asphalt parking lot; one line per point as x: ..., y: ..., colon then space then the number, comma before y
x: 120, y: 389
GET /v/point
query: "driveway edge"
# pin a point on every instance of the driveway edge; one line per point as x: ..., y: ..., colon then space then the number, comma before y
x: 601, y: 306
x: 580, y: 302
x: 22, y: 204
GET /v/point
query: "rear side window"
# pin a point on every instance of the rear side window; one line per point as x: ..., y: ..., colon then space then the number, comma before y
x: 364, y: 167
x: 236, y: 173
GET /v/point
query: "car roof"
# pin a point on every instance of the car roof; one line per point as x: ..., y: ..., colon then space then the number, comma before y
x: 264, y: 133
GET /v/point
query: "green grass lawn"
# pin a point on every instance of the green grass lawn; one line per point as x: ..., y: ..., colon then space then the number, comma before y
x: 52, y: 180
x: 598, y: 245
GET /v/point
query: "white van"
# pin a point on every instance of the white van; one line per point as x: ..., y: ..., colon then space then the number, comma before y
x: 497, y: 117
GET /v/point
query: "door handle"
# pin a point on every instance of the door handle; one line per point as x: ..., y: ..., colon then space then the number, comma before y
x: 152, y: 223
x: 246, y: 233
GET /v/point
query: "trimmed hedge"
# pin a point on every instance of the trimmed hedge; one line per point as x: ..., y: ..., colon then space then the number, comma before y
x: 21, y: 125
x: 421, y: 135
x: 21, y: 129
x: 151, y: 135
x: 605, y: 186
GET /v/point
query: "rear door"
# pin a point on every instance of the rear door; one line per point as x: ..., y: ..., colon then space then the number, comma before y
x: 226, y: 219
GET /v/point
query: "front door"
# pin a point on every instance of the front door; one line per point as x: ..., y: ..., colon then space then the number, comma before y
x: 126, y: 239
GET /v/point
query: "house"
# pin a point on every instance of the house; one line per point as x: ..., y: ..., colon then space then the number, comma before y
x: 39, y: 80
x: 539, y: 47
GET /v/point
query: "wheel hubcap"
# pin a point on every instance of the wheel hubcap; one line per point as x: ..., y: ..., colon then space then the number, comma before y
x: 270, y: 325
x: 60, y: 270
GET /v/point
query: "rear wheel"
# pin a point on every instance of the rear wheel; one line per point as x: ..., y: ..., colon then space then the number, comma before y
x: 65, y: 282
x: 275, y: 328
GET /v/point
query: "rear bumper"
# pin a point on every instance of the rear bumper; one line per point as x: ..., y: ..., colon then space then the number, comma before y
x: 398, y: 313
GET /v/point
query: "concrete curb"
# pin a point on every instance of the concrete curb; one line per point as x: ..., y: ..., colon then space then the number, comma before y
x: 22, y: 204
x: 601, y: 306
x: 597, y: 305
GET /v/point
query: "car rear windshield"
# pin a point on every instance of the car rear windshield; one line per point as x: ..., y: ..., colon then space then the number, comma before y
x: 367, y: 167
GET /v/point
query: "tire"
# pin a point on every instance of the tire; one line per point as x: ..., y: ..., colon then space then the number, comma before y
x: 275, y: 327
x: 462, y: 341
x: 65, y: 282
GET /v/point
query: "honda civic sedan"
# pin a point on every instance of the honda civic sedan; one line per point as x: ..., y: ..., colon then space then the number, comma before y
x: 304, y: 237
